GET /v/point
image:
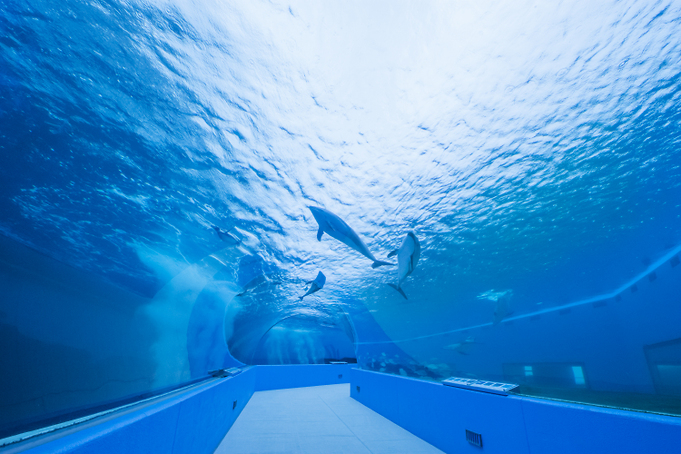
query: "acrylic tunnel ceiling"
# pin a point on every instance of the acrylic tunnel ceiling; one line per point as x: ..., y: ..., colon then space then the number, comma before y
x: 532, y: 148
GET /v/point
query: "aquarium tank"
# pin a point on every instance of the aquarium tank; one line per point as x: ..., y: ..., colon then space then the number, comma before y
x: 428, y: 189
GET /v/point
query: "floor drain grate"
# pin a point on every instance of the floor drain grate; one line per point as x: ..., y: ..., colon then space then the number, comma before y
x: 473, y: 438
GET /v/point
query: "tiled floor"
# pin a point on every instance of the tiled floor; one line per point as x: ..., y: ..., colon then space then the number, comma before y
x: 316, y: 420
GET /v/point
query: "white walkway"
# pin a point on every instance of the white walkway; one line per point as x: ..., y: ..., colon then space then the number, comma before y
x: 316, y: 420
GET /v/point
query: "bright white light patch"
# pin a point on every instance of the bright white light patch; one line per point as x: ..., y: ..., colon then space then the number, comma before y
x: 579, y: 375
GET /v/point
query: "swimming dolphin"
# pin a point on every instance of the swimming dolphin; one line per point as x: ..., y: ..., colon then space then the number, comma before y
x: 256, y: 282
x: 407, y: 257
x: 252, y: 284
x: 502, y: 308
x: 463, y: 347
x: 338, y: 229
x: 317, y: 285
x: 225, y: 236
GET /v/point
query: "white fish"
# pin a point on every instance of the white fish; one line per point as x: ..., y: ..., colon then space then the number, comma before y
x: 407, y: 257
x: 336, y: 228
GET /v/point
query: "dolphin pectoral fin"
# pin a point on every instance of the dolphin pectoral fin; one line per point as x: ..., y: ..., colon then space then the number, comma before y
x: 320, y: 232
x: 378, y: 263
x: 393, y: 253
x: 399, y: 290
x: 309, y: 282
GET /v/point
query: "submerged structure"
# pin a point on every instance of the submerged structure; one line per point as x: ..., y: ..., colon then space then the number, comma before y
x: 168, y: 171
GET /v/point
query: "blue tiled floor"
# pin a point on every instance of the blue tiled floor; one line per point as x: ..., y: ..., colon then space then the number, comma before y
x: 320, y: 419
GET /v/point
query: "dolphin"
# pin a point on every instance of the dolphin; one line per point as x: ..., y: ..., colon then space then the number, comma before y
x: 502, y: 308
x: 252, y: 284
x: 407, y: 257
x: 225, y: 236
x: 256, y: 282
x: 463, y: 347
x: 317, y: 285
x: 338, y: 229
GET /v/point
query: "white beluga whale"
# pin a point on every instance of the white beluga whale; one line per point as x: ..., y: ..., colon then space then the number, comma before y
x: 317, y: 285
x: 407, y: 257
x: 463, y: 347
x: 336, y: 228
x: 225, y: 236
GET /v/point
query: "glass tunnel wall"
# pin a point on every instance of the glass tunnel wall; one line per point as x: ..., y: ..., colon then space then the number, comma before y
x: 158, y: 160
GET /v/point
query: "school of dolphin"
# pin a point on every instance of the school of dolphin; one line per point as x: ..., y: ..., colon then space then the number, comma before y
x: 329, y: 223
x: 408, y: 255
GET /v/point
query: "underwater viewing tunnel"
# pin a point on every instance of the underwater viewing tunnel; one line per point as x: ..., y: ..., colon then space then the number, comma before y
x: 357, y: 227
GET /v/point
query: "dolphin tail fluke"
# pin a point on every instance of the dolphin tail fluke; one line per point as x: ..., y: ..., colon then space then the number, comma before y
x: 399, y: 290
x: 320, y: 232
x: 301, y: 297
x: 378, y: 263
x: 393, y: 253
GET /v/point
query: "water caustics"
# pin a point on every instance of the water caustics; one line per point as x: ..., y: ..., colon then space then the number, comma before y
x: 159, y: 160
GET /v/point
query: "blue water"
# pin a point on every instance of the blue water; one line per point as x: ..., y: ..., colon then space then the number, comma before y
x: 533, y: 148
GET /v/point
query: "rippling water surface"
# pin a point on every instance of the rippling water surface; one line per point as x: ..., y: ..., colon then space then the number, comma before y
x: 533, y: 148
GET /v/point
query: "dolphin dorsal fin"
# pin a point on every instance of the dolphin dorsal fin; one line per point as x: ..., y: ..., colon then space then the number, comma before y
x: 320, y: 232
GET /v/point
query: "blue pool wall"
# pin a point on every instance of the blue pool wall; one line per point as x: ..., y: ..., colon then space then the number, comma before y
x: 441, y: 415
x: 299, y: 376
x: 193, y: 421
x: 197, y: 419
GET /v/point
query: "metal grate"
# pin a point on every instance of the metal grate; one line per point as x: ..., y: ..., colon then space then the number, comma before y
x: 222, y: 373
x: 480, y: 385
x: 474, y: 438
